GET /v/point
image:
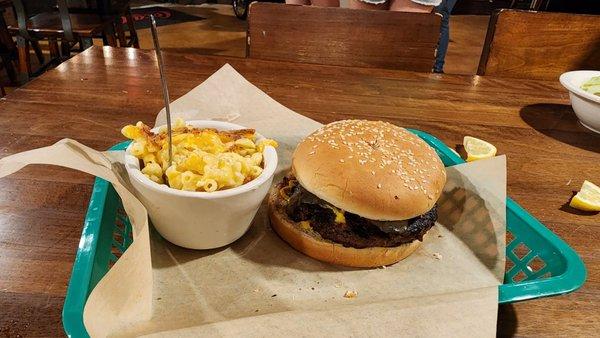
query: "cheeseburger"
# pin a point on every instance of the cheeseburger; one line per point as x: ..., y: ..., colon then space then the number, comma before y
x: 360, y: 193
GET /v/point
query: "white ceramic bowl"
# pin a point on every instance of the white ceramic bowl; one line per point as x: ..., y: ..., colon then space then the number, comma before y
x: 586, y: 105
x: 202, y: 220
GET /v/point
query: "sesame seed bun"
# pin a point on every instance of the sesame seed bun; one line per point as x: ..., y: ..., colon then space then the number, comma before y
x: 312, y: 244
x: 370, y: 168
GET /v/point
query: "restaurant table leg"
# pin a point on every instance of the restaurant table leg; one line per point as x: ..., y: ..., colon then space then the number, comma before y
x: 24, y: 62
x: 120, y: 33
x: 109, y: 33
x: 53, y: 48
x: 132, y: 32
x: 65, y: 47
x: 38, y: 51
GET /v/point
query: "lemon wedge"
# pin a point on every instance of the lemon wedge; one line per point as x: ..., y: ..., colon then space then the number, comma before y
x: 588, y: 197
x: 478, y: 149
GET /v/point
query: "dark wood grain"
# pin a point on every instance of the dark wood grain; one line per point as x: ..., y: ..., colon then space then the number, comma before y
x: 540, y: 45
x: 49, y: 24
x: 42, y: 208
x: 8, y: 49
x: 343, y: 37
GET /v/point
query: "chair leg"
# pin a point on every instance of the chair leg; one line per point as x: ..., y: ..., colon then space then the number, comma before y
x: 10, y: 68
x: 65, y: 48
x: 2, y: 92
x: 120, y: 33
x: 54, y: 50
x: 24, y: 62
x: 109, y: 33
x: 38, y: 51
x: 132, y: 32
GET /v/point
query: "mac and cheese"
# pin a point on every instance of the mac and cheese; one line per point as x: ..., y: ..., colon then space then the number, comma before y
x: 203, y: 159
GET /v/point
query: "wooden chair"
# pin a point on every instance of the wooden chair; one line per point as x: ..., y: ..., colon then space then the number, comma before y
x: 537, y: 45
x: 8, y: 49
x: 343, y: 37
x: 117, y: 10
x: 52, y: 21
x: 122, y: 10
x: 7, y: 57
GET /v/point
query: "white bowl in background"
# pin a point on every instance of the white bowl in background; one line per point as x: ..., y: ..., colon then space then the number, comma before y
x: 586, y: 105
x: 202, y: 220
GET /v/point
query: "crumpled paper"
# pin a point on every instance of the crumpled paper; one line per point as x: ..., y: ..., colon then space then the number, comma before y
x: 125, y: 293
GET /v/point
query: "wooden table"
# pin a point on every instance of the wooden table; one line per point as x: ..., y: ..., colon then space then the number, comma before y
x: 90, y: 97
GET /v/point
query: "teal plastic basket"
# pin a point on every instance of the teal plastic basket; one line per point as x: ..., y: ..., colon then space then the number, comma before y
x: 538, y: 263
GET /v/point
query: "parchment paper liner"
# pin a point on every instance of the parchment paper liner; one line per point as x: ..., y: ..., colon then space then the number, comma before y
x: 260, y: 286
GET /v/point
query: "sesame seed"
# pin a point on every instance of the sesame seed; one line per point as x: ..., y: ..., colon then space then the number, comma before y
x: 372, y: 172
x: 379, y: 186
x: 342, y: 160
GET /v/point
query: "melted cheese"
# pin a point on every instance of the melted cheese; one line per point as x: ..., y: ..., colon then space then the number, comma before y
x: 305, y: 225
x: 339, y: 214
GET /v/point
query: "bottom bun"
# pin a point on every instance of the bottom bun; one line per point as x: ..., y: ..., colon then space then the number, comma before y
x: 320, y: 249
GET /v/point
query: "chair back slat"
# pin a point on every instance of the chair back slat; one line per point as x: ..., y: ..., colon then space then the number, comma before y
x: 540, y: 45
x: 343, y: 37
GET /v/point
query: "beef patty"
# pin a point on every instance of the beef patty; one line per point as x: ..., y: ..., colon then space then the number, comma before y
x: 357, y: 232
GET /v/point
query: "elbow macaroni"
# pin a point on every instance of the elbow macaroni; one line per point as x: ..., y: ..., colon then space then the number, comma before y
x: 203, y: 159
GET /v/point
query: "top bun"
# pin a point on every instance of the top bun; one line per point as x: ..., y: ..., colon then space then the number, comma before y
x: 373, y: 169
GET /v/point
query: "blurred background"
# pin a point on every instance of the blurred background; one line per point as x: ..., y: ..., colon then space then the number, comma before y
x: 212, y: 27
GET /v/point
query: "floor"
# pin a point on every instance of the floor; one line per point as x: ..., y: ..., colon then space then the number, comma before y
x: 221, y: 33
